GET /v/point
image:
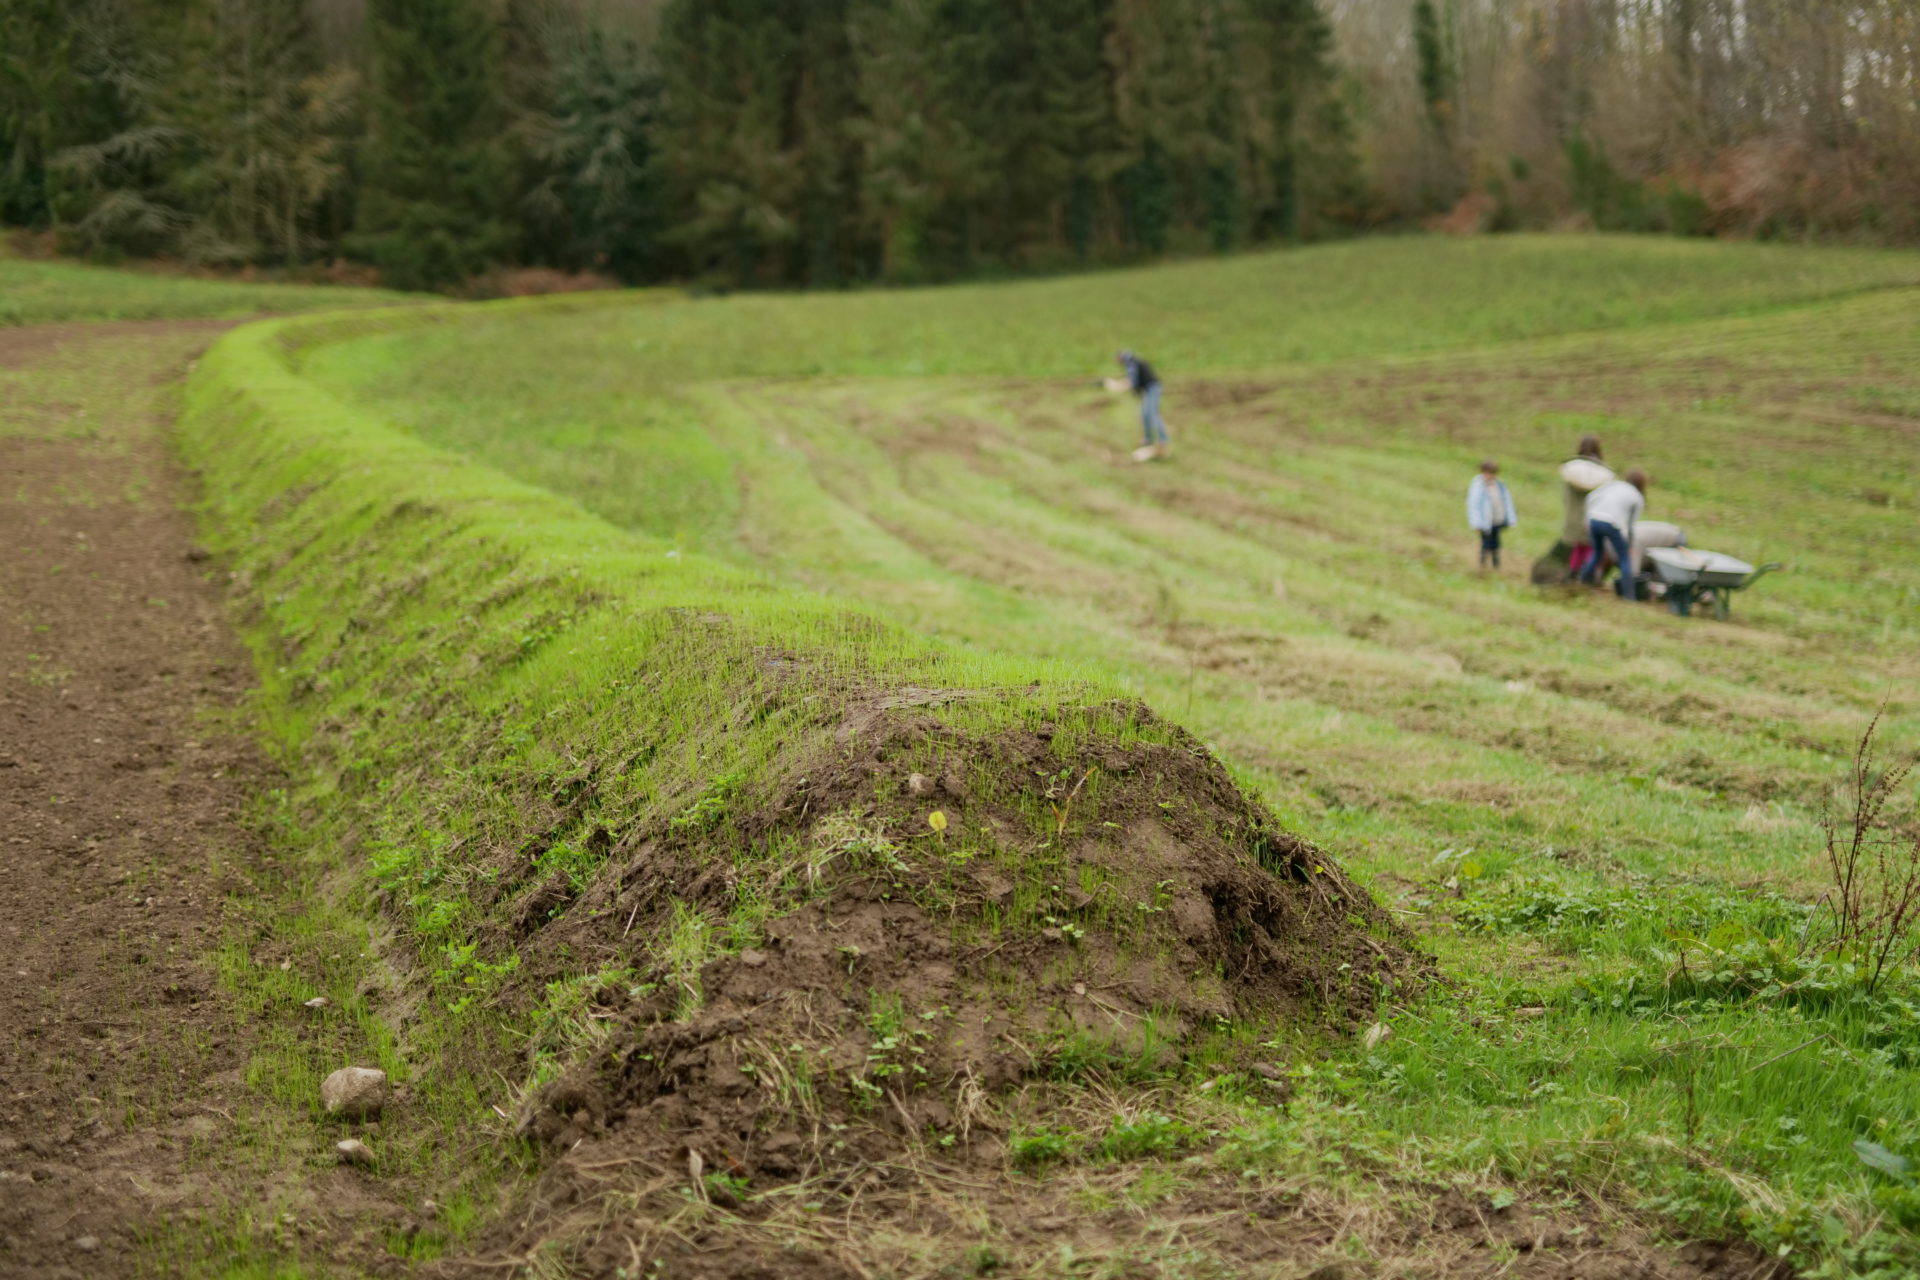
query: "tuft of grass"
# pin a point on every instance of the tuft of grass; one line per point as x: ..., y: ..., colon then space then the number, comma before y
x: 1147, y: 1134
x: 1037, y: 1148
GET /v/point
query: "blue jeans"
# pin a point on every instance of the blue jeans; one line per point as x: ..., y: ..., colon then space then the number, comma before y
x: 1609, y: 537
x: 1490, y: 543
x: 1153, y: 427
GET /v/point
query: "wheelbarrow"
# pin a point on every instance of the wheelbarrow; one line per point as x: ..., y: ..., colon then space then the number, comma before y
x: 1690, y: 574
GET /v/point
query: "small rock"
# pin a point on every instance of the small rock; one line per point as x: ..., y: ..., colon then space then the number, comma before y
x: 1376, y: 1035
x: 318, y: 1002
x: 354, y: 1093
x: 1053, y: 934
x: 87, y: 1244
x: 753, y: 959
x: 354, y: 1151
x: 197, y: 553
x: 919, y: 784
x: 1268, y: 1071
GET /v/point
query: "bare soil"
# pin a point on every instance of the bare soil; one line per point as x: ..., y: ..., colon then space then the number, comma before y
x: 122, y: 831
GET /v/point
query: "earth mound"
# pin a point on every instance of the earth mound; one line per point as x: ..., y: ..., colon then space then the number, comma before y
x: 934, y: 916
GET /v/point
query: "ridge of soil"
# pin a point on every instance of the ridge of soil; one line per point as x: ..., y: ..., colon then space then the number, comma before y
x: 730, y: 1141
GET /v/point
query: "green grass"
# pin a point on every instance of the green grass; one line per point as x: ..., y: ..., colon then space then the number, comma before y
x: 1297, y: 587
x: 458, y: 667
x: 48, y: 292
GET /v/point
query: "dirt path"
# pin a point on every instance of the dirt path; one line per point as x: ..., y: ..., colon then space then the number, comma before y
x: 120, y: 801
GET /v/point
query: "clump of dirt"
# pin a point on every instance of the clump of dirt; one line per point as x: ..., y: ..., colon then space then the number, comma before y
x: 949, y: 914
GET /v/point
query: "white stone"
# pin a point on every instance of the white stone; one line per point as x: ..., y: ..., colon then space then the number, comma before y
x: 354, y: 1151
x: 355, y: 1093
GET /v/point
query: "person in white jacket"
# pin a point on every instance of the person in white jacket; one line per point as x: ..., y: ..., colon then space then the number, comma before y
x: 1489, y: 510
x: 1612, y: 510
x: 1580, y: 475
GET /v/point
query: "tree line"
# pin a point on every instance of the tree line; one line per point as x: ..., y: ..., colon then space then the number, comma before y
x: 749, y: 141
x: 774, y: 142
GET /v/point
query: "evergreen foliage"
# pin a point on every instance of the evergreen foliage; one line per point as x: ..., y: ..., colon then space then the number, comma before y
x: 770, y: 143
x: 434, y: 175
x: 37, y: 90
x: 1431, y: 58
x: 593, y: 201
x: 750, y: 142
x: 989, y: 131
x: 255, y: 131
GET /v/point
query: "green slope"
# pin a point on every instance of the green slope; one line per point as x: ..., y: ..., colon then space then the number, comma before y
x: 1600, y: 783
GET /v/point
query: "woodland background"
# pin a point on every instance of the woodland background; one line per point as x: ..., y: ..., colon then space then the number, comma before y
x: 830, y: 142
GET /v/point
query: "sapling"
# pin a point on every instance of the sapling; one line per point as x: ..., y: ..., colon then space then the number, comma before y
x: 1874, y: 868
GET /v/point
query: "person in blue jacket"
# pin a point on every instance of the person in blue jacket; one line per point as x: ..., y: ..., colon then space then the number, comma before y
x: 1145, y: 383
x: 1489, y: 510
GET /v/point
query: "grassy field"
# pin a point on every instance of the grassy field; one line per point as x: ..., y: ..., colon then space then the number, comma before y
x: 33, y: 292
x: 1602, y: 818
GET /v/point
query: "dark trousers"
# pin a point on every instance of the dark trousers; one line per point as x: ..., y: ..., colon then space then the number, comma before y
x: 1609, y: 537
x: 1490, y: 544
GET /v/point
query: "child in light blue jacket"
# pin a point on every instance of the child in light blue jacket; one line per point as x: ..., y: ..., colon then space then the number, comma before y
x: 1489, y: 510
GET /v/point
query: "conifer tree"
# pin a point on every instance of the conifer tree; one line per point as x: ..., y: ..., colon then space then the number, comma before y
x: 37, y: 86
x: 827, y: 247
x: 253, y: 120
x: 434, y: 172
x: 1430, y: 54
x: 925, y: 165
x: 596, y: 203
x: 1079, y: 149
x: 726, y: 140
x: 1303, y: 144
x: 105, y: 158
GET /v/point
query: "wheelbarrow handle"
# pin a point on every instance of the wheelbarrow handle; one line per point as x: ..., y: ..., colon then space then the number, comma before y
x: 1761, y: 572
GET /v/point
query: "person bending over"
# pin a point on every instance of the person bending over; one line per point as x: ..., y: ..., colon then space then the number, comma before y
x: 1612, y: 511
x: 1144, y: 383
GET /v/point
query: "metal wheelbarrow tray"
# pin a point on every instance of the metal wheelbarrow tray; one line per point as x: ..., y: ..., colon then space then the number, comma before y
x: 1688, y: 573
